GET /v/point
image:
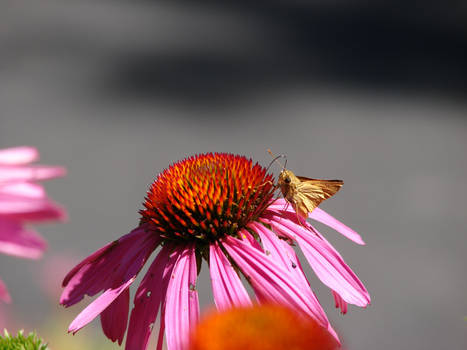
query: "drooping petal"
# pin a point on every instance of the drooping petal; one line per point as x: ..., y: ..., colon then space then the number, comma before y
x: 283, y: 254
x: 110, y: 266
x: 24, y: 208
x: 115, y: 317
x: 28, y: 202
x: 4, y: 295
x: 248, y: 238
x: 292, y: 217
x: 270, y: 281
x: 323, y: 217
x: 280, y: 206
x: 333, y: 332
x: 24, y: 190
x: 29, y: 173
x: 48, y: 212
x: 160, y: 337
x: 18, y: 155
x: 98, y: 306
x: 325, y: 262
x: 339, y: 302
x: 227, y: 287
x: 182, y: 307
x: 19, y: 241
x: 148, y: 299
x: 280, y: 251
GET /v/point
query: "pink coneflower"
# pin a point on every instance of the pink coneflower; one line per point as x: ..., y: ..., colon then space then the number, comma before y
x: 24, y: 201
x: 219, y: 207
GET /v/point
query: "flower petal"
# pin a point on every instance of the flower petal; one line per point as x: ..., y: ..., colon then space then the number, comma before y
x: 148, y: 299
x: 4, y: 295
x: 270, y: 280
x: 115, y: 317
x: 325, y: 261
x: 323, y: 217
x: 160, y: 337
x: 339, y: 302
x: 283, y: 254
x: 50, y: 211
x: 29, y: 209
x: 18, y: 241
x: 98, y: 306
x: 182, y: 307
x: 281, y: 206
x: 227, y: 287
x: 18, y: 155
x: 248, y: 238
x: 29, y: 173
x: 28, y: 202
x: 110, y: 266
x: 24, y: 190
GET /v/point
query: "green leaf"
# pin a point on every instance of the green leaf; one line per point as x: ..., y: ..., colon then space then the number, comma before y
x: 22, y: 342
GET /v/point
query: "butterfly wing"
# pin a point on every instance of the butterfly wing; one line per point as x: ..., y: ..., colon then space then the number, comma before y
x: 311, y: 192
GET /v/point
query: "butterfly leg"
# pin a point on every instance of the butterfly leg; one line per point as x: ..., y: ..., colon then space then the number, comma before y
x: 269, y: 182
x: 286, y: 205
x: 301, y: 221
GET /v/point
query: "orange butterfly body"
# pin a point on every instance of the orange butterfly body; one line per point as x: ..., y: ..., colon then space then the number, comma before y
x: 306, y: 194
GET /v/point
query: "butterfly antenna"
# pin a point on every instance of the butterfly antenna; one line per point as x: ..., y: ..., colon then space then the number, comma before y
x: 275, y: 160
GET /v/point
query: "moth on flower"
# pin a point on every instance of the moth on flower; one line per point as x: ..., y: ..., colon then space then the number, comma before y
x: 220, y: 207
x: 303, y: 193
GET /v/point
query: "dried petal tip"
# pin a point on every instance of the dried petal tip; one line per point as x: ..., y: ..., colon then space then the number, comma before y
x: 208, y: 196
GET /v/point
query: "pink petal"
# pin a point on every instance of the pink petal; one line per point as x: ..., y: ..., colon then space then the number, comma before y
x: 48, y: 212
x: 4, y: 296
x: 148, y: 299
x: 247, y: 237
x: 270, y: 281
x: 333, y: 332
x: 291, y: 216
x: 18, y: 241
x: 182, y: 307
x: 114, y: 318
x: 29, y: 173
x: 326, y: 263
x: 24, y: 190
x: 13, y: 205
x: 283, y: 254
x: 281, y: 206
x: 18, y: 155
x: 110, y: 266
x: 160, y: 337
x: 98, y: 306
x: 28, y: 202
x: 280, y: 251
x: 339, y: 302
x: 323, y: 217
x: 227, y: 287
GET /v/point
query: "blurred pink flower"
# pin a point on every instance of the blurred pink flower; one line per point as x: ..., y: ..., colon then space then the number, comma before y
x: 219, y: 207
x: 24, y: 201
x: 50, y: 271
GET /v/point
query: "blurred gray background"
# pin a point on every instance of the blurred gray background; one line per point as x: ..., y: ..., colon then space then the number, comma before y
x: 373, y: 94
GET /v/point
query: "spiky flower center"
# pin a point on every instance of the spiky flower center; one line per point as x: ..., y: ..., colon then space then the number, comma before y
x: 207, y: 196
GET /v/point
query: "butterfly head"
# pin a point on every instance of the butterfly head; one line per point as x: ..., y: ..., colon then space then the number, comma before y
x: 286, y: 178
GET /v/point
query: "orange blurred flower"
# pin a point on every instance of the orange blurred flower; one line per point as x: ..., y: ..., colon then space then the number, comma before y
x: 265, y: 327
